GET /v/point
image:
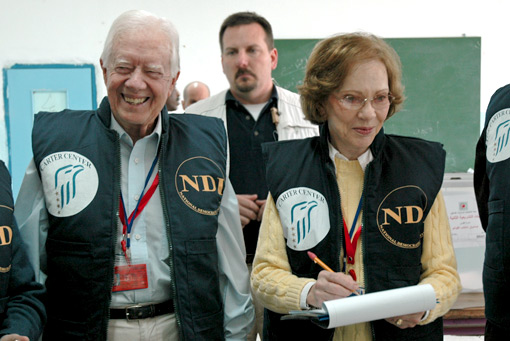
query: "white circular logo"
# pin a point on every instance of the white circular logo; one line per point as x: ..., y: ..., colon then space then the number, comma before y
x: 304, y: 215
x: 498, y: 137
x: 70, y: 182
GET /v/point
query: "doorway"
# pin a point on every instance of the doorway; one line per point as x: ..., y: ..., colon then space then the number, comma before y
x: 29, y: 89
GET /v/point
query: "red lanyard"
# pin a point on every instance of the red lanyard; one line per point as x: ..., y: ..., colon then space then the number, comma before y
x: 127, y: 223
x: 351, y: 240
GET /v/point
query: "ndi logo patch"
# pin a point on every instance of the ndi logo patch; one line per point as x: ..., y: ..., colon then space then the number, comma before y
x: 304, y: 215
x: 200, y: 182
x: 497, y: 137
x: 398, y: 215
x: 70, y: 182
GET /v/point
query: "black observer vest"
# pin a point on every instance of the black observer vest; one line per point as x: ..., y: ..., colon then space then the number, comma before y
x: 491, y: 181
x: 78, y: 158
x: 400, y: 186
x: 7, y: 234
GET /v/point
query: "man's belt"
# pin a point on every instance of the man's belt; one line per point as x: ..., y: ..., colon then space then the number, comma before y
x: 136, y: 312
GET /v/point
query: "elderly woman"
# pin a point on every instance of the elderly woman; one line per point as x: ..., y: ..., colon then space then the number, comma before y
x: 367, y: 204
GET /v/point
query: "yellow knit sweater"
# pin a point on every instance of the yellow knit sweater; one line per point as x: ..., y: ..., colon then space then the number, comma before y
x: 279, y: 290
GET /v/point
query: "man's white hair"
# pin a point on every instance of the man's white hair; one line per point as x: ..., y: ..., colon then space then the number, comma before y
x: 136, y: 20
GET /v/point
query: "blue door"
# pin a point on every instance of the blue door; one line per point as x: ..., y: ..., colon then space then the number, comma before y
x: 33, y: 88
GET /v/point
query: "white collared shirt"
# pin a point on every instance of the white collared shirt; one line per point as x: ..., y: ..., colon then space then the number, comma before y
x: 364, y: 159
x: 148, y: 227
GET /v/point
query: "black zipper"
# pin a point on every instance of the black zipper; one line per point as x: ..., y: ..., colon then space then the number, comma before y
x: 117, y: 229
x: 169, y: 236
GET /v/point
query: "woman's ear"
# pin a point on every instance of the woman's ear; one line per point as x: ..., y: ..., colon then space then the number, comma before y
x: 322, y: 112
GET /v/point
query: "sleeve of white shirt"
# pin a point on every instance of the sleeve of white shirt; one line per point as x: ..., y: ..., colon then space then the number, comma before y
x: 234, y: 275
x: 32, y: 218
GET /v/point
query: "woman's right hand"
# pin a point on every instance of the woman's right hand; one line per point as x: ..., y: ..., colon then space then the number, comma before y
x: 330, y: 286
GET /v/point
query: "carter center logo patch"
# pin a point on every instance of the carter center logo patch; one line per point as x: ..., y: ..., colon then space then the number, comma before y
x: 497, y: 138
x: 70, y: 183
x: 304, y: 215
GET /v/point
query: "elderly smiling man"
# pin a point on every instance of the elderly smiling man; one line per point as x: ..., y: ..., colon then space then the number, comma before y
x: 134, y: 226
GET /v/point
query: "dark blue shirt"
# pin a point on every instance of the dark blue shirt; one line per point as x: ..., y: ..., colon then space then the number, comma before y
x: 247, y: 173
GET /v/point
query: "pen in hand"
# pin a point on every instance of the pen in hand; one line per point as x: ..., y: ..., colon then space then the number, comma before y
x: 316, y: 260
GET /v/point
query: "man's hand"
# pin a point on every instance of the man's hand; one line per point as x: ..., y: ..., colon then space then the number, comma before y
x: 330, y: 286
x: 262, y: 206
x: 250, y: 208
x: 14, y: 337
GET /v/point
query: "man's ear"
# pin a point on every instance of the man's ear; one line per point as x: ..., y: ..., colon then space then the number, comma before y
x: 222, y: 65
x: 174, y: 81
x: 274, y: 58
x: 103, y: 68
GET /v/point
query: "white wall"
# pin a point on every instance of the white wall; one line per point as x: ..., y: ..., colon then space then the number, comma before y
x: 64, y: 31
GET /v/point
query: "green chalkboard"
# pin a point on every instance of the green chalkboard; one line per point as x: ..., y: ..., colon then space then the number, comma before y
x: 442, y: 85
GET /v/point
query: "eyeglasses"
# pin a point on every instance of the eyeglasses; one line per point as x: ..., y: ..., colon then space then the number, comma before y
x: 379, y: 102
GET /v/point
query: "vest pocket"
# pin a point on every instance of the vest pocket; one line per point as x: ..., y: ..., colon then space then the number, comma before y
x: 203, y: 286
x: 71, y: 273
x: 3, y: 303
x: 58, y: 328
x: 56, y: 247
x: 72, y: 259
x: 496, y: 206
x: 403, y: 276
x: 209, y: 324
x: 495, y: 237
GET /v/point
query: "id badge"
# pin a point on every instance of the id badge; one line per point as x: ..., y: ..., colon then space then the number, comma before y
x: 130, y: 277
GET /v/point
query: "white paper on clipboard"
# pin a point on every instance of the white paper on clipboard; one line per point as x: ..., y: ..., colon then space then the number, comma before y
x: 370, y: 307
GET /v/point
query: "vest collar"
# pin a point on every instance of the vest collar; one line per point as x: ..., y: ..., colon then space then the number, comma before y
x: 104, y: 114
x: 375, y: 147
